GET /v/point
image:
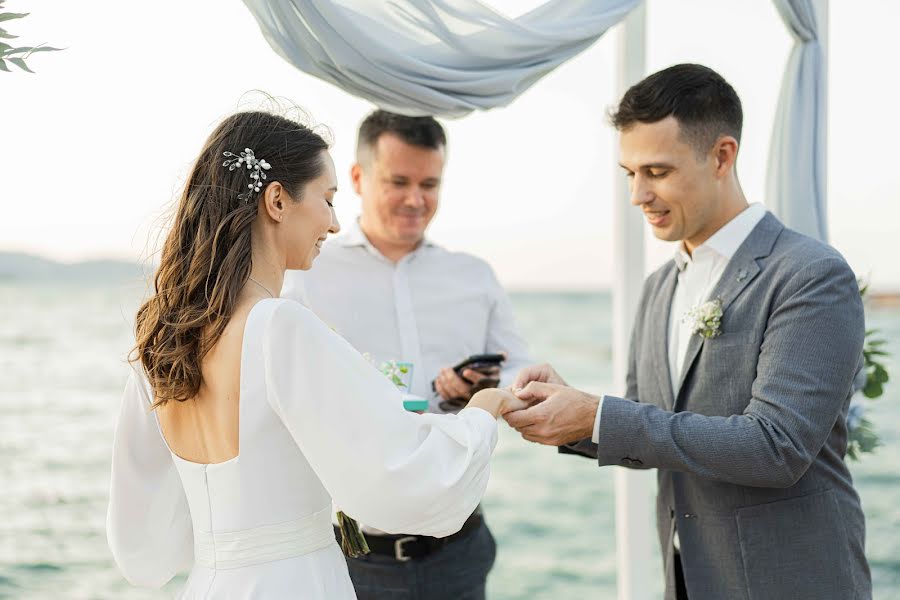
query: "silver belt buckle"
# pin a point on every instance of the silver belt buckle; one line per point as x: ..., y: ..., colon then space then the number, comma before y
x: 398, y: 548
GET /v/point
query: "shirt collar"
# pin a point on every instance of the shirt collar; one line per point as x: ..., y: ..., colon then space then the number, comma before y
x: 353, y: 236
x: 726, y: 241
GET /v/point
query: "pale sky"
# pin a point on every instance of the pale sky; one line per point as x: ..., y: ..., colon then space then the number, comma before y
x: 98, y: 142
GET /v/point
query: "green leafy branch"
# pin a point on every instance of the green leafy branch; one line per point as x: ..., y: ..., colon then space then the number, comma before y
x: 873, y: 354
x: 861, y: 431
x: 862, y: 439
x: 16, y: 55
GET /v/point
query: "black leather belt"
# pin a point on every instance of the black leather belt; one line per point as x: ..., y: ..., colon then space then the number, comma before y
x: 414, y: 547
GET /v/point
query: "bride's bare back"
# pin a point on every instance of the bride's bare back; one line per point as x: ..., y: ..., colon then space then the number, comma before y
x: 204, y: 429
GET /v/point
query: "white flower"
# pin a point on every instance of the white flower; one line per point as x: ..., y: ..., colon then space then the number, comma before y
x: 705, y: 319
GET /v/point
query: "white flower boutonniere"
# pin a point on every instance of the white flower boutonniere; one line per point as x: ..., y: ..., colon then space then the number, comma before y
x: 706, y: 318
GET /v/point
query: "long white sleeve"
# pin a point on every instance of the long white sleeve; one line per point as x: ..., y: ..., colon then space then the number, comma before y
x: 148, y: 524
x: 397, y: 471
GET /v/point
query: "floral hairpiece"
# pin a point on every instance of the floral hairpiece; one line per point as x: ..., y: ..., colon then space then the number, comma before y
x: 257, y: 167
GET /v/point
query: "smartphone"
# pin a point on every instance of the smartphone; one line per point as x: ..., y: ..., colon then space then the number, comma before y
x: 476, y: 362
x: 479, y: 361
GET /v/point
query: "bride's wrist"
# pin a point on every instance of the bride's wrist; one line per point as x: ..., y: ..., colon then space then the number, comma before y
x: 488, y: 400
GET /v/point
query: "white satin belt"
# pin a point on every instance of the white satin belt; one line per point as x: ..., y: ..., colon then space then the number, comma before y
x: 267, y: 543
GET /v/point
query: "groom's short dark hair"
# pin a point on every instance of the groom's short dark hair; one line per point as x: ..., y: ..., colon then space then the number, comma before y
x: 704, y: 104
x: 416, y: 131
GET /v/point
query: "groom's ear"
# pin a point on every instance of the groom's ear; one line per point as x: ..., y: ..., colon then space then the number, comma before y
x: 725, y: 154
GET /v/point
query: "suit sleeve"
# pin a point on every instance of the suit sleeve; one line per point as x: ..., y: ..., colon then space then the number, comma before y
x: 810, y: 353
x: 587, y: 447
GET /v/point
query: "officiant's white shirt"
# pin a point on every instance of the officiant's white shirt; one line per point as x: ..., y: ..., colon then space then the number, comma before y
x: 432, y: 308
x: 698, y: 275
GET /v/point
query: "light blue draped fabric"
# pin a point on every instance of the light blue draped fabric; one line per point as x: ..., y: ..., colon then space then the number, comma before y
x: 433, y: 57
x: 797, y: 179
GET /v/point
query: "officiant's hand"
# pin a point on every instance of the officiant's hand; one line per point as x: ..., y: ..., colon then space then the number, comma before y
x: 558, y: 414
x: 450, y: 385
x: 542, y: 373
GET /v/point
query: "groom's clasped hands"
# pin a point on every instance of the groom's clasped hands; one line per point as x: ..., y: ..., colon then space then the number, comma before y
x: 550, y: 412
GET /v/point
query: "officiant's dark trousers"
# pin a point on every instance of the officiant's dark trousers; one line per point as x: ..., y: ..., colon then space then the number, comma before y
x: 458, y: 571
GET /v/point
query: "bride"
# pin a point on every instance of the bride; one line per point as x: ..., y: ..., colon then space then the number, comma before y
x: 245, y: 415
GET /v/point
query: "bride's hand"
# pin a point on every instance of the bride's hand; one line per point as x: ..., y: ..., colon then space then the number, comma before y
x: 497, y: 401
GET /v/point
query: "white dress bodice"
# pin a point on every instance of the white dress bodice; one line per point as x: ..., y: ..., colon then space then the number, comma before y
x: 318, y: 424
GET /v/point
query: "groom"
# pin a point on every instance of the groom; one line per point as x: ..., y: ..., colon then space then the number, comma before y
x: 744, y: 417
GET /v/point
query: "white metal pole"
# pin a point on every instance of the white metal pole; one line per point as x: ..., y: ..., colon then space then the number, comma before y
x: 634, y: 521
x: 820, y: 7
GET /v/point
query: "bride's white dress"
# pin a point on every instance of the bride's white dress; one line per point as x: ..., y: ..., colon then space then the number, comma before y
x: 317, y: 423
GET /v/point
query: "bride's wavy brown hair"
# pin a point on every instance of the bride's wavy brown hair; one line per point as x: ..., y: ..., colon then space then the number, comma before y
x: 206, y: 256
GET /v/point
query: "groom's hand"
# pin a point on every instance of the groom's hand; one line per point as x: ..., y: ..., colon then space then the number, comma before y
x: 541, y: 373
x: 558, y: 415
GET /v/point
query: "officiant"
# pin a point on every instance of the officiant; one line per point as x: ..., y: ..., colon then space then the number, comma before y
x: 397, y: 296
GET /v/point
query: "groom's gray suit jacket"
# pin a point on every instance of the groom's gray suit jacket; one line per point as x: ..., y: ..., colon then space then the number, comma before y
x: 750, y: 450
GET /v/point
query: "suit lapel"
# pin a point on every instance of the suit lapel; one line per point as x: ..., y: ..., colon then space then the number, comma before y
x: 740, y: 271
x: 662, y: 309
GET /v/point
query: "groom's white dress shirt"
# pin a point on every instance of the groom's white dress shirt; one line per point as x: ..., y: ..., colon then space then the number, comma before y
x: 698, y: 275
x: 432, y: 308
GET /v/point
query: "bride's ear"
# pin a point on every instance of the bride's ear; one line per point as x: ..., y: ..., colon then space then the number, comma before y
x: 273, y: 201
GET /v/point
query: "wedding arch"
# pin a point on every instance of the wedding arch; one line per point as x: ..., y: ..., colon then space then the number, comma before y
x: 452, y: 57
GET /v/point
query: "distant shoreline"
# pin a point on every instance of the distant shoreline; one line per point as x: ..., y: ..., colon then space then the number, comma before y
x: 21, y: 267
x: 884, y: 299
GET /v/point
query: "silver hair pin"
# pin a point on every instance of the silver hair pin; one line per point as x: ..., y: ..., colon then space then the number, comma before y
x: 257, y: 167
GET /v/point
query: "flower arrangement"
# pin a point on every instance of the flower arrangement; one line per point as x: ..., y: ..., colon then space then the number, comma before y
x: 393, y: 371
x: 706, y: 318
x: 861, y: 435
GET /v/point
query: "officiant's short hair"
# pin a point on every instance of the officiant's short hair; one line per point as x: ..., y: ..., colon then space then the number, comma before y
x: 425, y: 132
x: 704, y: 104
